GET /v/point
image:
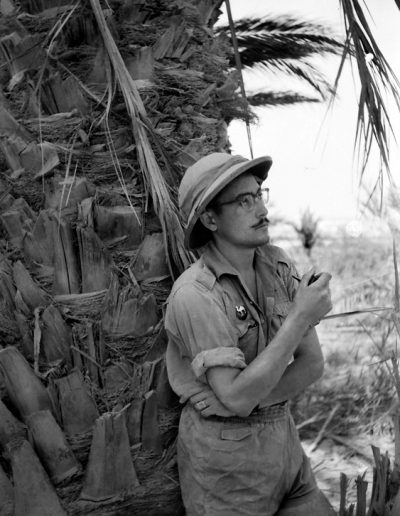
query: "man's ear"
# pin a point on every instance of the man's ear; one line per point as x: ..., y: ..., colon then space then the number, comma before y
x: 208, y: 220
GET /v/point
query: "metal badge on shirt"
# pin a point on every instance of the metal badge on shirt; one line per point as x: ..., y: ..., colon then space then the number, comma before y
x: 241, y: 312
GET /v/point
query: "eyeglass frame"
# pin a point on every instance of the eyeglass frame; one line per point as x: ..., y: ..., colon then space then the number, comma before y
x: 254, y: 196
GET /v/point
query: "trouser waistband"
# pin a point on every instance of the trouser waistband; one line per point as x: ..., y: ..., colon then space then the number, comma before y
x: 260, y: 415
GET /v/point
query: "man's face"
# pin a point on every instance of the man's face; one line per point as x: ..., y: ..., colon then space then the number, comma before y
x: 239, y: 223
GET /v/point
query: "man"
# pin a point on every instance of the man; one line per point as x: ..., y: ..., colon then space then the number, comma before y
x: 241, y: 343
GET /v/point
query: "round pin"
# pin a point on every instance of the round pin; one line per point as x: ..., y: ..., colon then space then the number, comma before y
x: 241, y: 312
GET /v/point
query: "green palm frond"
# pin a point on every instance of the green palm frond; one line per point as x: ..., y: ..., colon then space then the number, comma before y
x: 272, y: 98
x: 312, y: 76
x: 378, y: 81
x: 285, y: 45
x: 268, y: 42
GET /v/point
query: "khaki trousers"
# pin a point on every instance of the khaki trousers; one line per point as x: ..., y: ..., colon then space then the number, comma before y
x: 246, y: 469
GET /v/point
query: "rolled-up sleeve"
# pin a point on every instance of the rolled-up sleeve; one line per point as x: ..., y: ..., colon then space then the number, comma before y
x: 197, y: 320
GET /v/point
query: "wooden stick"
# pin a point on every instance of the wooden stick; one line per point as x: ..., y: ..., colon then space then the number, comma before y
x: 346, y: 443
x: 362, y: 486
x: 309, y: 421
x: 321, y: 433
x: 343, y: 491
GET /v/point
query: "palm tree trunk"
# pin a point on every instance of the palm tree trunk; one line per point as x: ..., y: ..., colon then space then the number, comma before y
x: 123, y: 102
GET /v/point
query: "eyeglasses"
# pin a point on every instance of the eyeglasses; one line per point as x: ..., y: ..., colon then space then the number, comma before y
x: 248, y: 200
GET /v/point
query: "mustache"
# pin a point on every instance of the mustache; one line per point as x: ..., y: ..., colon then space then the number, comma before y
x: 264, y: 220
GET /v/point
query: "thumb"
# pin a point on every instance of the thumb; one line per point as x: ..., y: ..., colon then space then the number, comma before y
x: 307, y: 276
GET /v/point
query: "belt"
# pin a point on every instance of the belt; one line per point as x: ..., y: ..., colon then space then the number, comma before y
x: 258, y: 415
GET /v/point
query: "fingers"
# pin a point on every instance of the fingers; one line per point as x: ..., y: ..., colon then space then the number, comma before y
x: 209, y: 411
x: 323, y: 279
x: 305, y: 280
x: 201, y: 405
x: 200, y: 396
x: 212, y: 406
x: 218, y: 409
x: 206, y: 404
x: 239, y: 363
x: 320, y: 279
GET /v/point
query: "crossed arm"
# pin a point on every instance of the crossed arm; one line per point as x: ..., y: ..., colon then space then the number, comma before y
x: 268, y: 379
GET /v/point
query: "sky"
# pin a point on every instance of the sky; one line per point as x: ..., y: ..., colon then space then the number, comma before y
x: 312, y: 148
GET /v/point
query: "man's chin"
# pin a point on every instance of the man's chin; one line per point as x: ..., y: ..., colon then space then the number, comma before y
x: 261, y: 239
x: 265, y: 240
x: 264, y: 234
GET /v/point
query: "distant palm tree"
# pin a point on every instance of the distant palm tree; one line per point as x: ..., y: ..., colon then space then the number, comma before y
x: 307, y: 230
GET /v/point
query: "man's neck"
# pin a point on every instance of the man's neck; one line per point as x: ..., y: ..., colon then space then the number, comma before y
x: 241, y: 258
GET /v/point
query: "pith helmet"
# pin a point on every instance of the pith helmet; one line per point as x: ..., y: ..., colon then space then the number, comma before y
x: 204, y: 180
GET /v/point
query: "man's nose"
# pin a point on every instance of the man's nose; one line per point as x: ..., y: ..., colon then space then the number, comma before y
x: 262, y: 209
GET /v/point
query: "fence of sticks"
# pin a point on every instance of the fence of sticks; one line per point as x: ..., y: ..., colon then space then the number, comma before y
x: 102, y: 107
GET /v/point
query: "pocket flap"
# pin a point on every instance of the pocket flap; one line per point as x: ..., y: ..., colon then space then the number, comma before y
x: 235, y: 434
x: 242, y: 327
x: 282, y: 308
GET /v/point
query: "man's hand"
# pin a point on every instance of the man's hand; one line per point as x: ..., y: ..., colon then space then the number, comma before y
x: 208, y: 404
x: 313, y: 299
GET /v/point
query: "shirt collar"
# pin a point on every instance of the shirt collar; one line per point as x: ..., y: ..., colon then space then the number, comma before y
x: 217, y: 262
x: 219, y: 265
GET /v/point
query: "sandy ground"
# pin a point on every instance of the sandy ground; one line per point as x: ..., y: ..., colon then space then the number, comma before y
x: 331, y: 458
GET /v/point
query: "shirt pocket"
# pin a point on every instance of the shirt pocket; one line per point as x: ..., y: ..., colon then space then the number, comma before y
x: 281, y: 308
x: 279, y: 314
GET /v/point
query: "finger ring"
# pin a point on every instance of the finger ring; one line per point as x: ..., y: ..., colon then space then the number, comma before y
x: 201, y: 405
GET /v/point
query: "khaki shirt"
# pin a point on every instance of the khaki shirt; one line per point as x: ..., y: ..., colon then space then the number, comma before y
x: 210, y: 306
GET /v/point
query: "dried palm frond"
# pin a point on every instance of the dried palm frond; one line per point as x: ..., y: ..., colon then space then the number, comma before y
x: 377, y: 81
x: 163, y: 204
x: 60, y: 24
x: 48, y: 44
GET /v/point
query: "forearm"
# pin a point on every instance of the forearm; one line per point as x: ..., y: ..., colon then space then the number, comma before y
x: 241, y: 391
x: 299, y: 374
